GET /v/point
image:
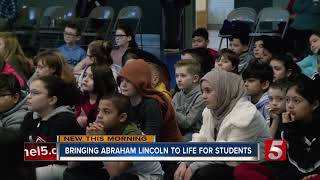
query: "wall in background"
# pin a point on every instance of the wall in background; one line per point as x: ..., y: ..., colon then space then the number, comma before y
x: 218, y: 11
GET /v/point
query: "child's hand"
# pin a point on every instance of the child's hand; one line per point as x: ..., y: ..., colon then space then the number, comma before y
x: 272, y: 113
x: 287, y: 117
x: 180, y: 172
x: 99, y: 128
x: 311, y: 177
x: 88, y: 61
x: 89, y: 130
x: 82, y: 120
x: 95, y: 129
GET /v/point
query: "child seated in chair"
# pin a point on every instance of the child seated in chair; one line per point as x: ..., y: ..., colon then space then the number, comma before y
x: 71, y: 51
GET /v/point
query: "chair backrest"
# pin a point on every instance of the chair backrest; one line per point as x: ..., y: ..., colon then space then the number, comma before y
x: 273, y: 14
x: 56, y: 13
x: 68, y: 14
x: 243, y: 14
x: 32, y: 13
x: 49, y: 11
x: 28, y: 17
x: 99, y: 21
x: 62, y: 14
x: 102, y: 12
x: 130, y: 12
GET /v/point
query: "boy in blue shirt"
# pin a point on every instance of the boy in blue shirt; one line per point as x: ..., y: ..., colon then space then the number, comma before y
x: 71, y: 51
x: 257, y: 79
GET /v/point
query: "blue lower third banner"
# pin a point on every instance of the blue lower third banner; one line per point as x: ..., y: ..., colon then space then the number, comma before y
x: 158, y: 151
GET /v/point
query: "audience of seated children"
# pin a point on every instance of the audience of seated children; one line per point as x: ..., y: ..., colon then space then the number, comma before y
x: 257, y: 79
x: 97, y: 81
x: 227, y: 60
x: 112, y: 119
x: 300, y: 129
x: 309, y: 64
x: 223, y: 93
x: 50, y: 99
x: 13, y: 54
x: 13, y: 106
x: 284, y: 67
x: 277, y: 105
x: 273, y: 99
x: 72, y: 52
x: 202, y: 55
x: 51, y: 62
x: 200, y: 39
x: 125, y: 39
x: 188, y: 101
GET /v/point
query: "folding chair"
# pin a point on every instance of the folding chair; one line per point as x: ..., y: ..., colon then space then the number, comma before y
x: 270, y: 15
x: 28, y: 18
x: 98, y: 22
x: 52, y: 24
x: 26, y: 26
x: 244, y: 14
x: 130, y: 13
x: 48, y: 19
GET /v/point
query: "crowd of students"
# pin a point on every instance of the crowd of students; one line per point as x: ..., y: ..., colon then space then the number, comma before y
x: 234, y: 95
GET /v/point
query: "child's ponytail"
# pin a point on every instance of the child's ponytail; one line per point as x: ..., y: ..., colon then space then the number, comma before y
x: 101, y: 51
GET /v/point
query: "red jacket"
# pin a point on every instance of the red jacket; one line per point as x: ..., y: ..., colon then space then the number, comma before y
x: 213, y: 53
x: 9, y: 70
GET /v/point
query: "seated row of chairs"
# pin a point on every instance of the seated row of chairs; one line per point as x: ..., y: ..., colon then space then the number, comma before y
x: 97, y: 25
x: 256, y: 21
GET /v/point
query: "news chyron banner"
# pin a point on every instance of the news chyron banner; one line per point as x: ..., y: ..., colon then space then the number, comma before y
x: 144, y: 148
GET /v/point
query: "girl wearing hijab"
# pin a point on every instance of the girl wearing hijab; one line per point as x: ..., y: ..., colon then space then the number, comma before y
x: 228, y: 117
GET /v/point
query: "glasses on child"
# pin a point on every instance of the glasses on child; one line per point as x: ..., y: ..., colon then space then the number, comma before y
x: 89, y: 56
x: 69, y: 34
x: 34, y: 93
x: 119, y: 35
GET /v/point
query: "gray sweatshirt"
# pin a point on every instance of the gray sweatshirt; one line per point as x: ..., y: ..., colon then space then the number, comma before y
x: 187, y: 107
x: 13, y: 118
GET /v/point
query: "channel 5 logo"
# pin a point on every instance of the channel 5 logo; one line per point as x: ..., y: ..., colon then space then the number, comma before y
x: 275, y: 150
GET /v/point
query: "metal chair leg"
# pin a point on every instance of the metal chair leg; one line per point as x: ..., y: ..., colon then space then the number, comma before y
x: 220, y: 43
x: 227, y: 42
